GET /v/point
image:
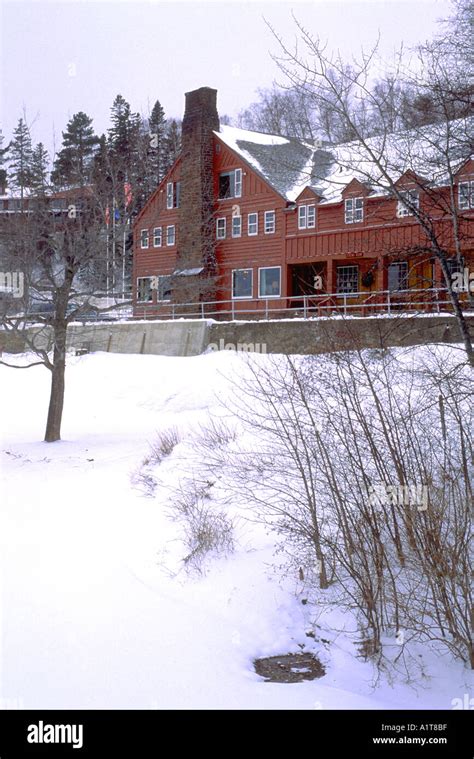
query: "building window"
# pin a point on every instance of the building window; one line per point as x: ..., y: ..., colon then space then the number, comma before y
x: 269, y: 222
x: 412, y: 201
x: 306, y: 217
x: 157, y: 237
x: 242, y: 280
x: 230, y: 184
x: 398, y: 276
x: 163, y: 288
x: 144, y: 289
x: 353, y: 210
x: 252, y: 224
x: 269, y: 282
x: 221, y: 228
x: 301, y: 217
x: 169, y: 195
x: 177, y: 194
x: 347, y: 279
x: 236, y: 226
x: 144, y: 238
x: 466, y: 195
x: 238, y: 183
x: 170, y: 235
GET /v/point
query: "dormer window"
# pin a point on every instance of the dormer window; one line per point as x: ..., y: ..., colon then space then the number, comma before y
x: 466, y: 195
x: 353, y: 210
x: 409, y: 202
x: 173, y: 192
x: 230, y: 184
x: 306, y: 217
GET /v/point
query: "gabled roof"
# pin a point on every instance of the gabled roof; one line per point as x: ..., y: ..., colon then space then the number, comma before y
x: 289, y: 165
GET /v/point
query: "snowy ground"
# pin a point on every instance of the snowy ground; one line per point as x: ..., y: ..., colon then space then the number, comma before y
x: 90, y: 617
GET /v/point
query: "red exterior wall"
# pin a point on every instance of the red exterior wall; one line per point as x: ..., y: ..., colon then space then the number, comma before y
x: 332, y: 242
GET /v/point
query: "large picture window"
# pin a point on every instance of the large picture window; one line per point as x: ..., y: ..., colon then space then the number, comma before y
x: 269, y: 282
x: 242, y: 283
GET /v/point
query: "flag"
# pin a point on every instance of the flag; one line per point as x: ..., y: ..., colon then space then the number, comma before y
x: 127, y: 188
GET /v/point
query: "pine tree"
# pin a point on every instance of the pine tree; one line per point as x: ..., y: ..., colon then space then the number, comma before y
x: 3, y: 173
x: 39, y: 170
x: 157, y: 138
x: 172, y: 145
x: 121, y: 135
x: 73, y: 165
x: 20, y: 158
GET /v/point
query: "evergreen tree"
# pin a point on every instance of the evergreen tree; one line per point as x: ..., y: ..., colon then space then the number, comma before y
x: 121, y: 135
x: 39, y: 170
x: 73, y: 165
x: 172, y: 145
x: 20, y: 158
x: 157, y: 138
x: 3, y: 173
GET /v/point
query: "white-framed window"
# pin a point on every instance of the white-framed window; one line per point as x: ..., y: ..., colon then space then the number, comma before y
x: 269, y: 222
x: 269, y: 282
x: 302, y: 217
x: 221, y: 228
x: 157, y: 237
x: 238, y: 183
x: 176, y: 194
x: 170, y: 235
x: 230, y: 184
x: 236, y: 226
x: 242, y: 283
x: 466, y: 195
x: 163, y: 288
x: 353, y: 210
x: 144, y: 289
x: 398, y: 276
x: 144, y: 238
x: 306, y: 217
x: 169, y: 195
x: 412, y: 198
x: 347, y: 279
x: 252, y: 224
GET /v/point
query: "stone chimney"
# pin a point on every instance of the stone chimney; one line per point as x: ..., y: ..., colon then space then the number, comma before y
x: 196, y: 239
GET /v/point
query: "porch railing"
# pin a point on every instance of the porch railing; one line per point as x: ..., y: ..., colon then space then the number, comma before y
x: 427, y: 300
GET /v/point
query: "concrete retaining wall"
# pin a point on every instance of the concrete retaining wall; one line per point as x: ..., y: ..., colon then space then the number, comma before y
x: 192, y: 337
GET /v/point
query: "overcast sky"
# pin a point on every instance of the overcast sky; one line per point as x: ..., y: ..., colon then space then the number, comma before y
x: 61, y: 57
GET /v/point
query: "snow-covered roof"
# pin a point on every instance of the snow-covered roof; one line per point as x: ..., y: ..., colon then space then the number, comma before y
x: 290, y: 165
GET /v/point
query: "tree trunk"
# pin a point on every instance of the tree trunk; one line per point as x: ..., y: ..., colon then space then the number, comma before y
x: 56, y: 398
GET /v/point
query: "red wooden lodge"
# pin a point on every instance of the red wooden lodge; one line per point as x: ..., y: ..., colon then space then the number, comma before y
x: 250, y: 224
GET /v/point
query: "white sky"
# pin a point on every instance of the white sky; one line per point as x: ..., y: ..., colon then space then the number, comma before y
x: 61, y: 57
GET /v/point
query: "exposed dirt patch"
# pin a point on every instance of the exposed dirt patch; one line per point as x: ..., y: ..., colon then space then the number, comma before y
x: 289, y: 668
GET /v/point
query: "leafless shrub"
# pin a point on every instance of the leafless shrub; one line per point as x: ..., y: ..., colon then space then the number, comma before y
x: 326, y: 430
x: 206, y: 529
x: 163, y: 445
x: 144, y: 481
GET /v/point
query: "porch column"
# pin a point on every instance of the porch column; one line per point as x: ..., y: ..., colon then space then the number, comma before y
x: 330, y: 276
x: 381, y: 277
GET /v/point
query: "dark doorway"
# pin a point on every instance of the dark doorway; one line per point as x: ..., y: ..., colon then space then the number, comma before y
x: 308, y: 279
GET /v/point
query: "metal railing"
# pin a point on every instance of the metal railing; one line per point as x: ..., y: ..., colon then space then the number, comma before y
x: 432, y: 300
